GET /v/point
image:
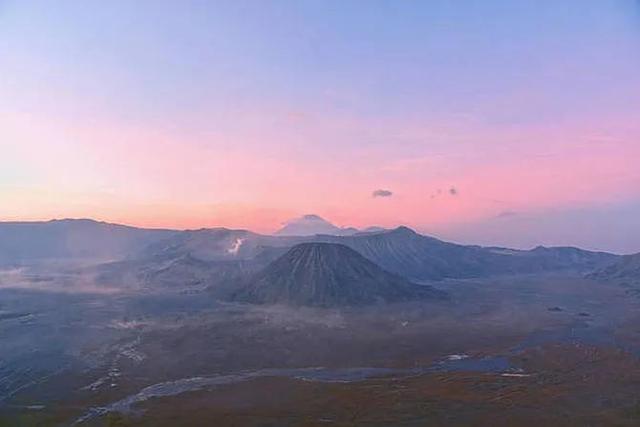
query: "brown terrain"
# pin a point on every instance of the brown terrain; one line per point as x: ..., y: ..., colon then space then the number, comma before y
x: 518, y: 350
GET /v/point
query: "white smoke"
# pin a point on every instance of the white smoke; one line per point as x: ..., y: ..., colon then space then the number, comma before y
x: 235, y: 247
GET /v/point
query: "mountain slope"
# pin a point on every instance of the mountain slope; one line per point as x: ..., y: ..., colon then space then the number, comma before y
x: 627, y: 268
x: 184, y: 273
x: 328, y: 275
x: 215, y: 244
x: 195, y: 259
x: 405, y: 252
x: 72, y: 239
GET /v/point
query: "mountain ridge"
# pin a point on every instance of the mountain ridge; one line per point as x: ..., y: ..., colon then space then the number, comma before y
x: 61, y: 239
x: 401, y: 250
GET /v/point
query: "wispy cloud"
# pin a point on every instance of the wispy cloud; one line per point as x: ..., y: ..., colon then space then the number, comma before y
x: 506, y: 214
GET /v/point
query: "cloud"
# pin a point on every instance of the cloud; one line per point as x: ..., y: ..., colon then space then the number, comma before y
x: 506, y: 214
x: 382, y: 193
x: 452, y: 191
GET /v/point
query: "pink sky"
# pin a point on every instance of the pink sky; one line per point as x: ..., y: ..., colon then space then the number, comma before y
x: 262, y: 175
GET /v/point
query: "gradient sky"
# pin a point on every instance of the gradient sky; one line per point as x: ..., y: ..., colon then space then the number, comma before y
x: 496, y: 122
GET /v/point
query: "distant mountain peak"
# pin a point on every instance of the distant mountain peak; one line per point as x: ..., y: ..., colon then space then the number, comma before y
x: 313, y: 217
x: 310, y: 225
x: 404, y: 230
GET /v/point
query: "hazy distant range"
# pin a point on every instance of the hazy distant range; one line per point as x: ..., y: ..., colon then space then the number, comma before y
x: 231, y: 260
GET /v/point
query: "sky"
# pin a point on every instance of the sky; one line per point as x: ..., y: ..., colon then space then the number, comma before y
x: 500, y: 122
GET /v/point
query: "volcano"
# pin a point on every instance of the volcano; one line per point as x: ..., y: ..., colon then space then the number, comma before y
x: 329, y: 275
